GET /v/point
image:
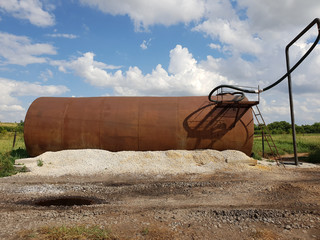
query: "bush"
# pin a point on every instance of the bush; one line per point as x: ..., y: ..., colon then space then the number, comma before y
x: 7, y: 161
x: 6, y: 165
x: 19, y: 153
x: 314, y: 156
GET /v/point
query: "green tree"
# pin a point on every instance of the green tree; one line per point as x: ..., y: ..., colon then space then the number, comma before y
x: 316, y: 127
x: 279, y: 127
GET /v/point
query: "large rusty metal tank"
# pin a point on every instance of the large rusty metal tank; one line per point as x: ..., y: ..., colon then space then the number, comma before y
x: 137, y: 123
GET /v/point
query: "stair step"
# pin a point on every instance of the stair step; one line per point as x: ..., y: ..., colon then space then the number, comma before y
x: 266, y: 136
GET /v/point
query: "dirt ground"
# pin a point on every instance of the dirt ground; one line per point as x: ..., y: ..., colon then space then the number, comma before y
x: 260, y: 202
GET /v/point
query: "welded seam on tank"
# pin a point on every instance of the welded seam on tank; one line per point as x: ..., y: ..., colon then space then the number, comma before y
x: 100, y: 120
x: 63, y: 122
x: 178, y: 120
x: 138, y: 124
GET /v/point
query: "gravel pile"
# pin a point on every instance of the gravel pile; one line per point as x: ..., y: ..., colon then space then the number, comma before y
x: 93, y: 161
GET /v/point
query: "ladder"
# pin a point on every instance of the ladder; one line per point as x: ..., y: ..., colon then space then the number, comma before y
x: 266, y: 136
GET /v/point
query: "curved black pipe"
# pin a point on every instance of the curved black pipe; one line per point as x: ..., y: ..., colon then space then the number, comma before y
x: 244, y: 90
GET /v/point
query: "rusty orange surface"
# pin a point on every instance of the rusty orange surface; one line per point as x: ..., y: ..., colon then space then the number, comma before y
x: 137, y: 123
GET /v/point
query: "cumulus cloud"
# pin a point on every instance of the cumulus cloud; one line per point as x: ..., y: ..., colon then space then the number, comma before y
x: 31, y: 10
x: 223, y: 24
x: 185, y: 76
x: 11, y: 108
x: 234, y: 33
x: 86, y: 67
x: 251, y: 35
x: 151, y: 12
x: 21, y: 51
x: 253, y: 42
x: 11, y: 90
x: 275, y: 16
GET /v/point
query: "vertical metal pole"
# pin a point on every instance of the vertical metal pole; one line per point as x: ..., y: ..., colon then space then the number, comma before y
x: 263, y: 155
x: 14, y: 139
x: 296, y: 161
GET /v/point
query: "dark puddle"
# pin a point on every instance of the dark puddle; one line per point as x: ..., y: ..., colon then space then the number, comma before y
x: 63, y: 201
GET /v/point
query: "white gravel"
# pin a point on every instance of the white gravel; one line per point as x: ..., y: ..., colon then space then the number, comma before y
x: 93, y: 161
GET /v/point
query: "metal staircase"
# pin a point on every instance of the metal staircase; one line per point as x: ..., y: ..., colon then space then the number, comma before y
x: 266, y: 136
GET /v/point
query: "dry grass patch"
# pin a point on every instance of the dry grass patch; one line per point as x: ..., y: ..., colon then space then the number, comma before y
x: 80, y: 232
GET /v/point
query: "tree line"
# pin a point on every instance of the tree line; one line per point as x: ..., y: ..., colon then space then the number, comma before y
x: 18, y: 128
x: 284, y: 127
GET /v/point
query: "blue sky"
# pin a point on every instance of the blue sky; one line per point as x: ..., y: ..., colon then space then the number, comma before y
x: 86, y: 48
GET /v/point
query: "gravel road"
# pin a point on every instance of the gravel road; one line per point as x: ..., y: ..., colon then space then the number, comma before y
x: 219, y: 201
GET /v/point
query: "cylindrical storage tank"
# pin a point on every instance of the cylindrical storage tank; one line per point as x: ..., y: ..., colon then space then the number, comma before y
x: 136, y: 123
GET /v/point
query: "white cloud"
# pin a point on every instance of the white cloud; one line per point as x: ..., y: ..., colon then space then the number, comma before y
x: 151, y: 12
x: 234, y: 33
x: 11, y: 113
x: 11, y: 108
x: 279, y: 16
x: 215, y: 46
x: 12, y: 90
x: 31, y: 10
x: 145, y: 44
x: 275, y: 107
x: 45, y: 75
x: 222, y: 23
x: 21, y: 51
x: 62, y: 35
x: 184, y: 77
x: 241, y: 30
x: 261, y: 37
x: 181, y: 61
x: 86, y: 67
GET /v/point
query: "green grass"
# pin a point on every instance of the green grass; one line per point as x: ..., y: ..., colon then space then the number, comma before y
x: 306, y: 143
x: 39, y: 163
x: 68, y: 233
x: 6, y: 142
x: 8, y: 155
x: 8, y: 124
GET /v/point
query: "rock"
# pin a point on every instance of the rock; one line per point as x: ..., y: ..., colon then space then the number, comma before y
x: 288, y: 227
